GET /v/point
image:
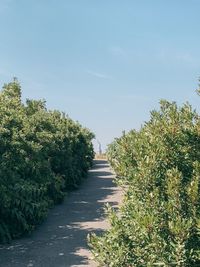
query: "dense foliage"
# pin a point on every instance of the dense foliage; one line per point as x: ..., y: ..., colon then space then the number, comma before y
x: 158, y: 223
x: 42, y: 155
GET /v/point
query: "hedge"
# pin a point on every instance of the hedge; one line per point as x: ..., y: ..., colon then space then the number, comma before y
x: 43, y: 154
x: 158, y: 223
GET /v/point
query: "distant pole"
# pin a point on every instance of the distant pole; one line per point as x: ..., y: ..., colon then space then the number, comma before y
x: 100, y: 150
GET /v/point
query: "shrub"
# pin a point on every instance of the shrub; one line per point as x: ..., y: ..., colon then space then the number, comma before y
x: 158, y: 223
x: 42, y: 155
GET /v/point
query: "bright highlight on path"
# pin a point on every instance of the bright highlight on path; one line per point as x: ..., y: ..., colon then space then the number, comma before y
x: 61, y: 241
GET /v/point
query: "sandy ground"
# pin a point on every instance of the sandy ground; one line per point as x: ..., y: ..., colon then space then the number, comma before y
x: 61, y: 241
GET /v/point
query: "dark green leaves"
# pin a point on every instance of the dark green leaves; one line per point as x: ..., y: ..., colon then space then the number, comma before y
x: 42, y: 155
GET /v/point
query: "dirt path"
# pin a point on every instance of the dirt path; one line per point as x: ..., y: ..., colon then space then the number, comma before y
x: 61, y: 240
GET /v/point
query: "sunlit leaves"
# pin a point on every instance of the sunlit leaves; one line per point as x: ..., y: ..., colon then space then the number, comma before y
x: 158, y: 223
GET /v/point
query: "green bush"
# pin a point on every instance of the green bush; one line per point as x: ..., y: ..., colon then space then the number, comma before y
x: 158, y: 223
x: 42, y: 155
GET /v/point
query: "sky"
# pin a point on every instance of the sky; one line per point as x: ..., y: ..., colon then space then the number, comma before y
x: 105, y: 63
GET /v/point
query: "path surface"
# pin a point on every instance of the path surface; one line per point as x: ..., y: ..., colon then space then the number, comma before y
x: 61, y: 240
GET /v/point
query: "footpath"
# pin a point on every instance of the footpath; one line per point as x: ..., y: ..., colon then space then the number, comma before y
x: 61, y: 241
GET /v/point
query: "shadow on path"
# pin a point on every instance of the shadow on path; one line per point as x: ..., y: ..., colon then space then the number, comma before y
x: 61, y: 241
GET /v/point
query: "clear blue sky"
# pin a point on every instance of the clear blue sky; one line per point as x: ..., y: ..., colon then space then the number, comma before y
x: 106, y: 63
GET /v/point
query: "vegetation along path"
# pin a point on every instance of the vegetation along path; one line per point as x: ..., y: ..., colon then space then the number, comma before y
x: 61, y: 241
